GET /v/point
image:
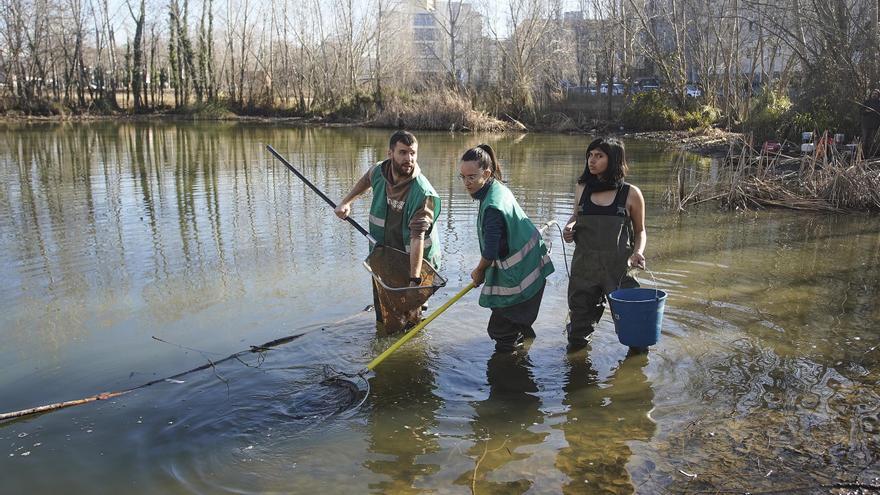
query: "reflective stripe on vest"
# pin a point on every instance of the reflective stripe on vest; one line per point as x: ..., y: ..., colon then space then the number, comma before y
x: 529, y: 279
x: 378, y: 222
x: 519, y: 255
x: 419, y: 191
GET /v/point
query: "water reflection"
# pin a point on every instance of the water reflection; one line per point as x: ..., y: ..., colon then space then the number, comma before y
x: 503, y: 426
x: 603, y: 420
x: 111, y: 233
x: 158, y: 217
x: 402, y: 422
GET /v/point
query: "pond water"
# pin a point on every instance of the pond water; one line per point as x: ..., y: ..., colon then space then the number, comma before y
x: 116, y: 235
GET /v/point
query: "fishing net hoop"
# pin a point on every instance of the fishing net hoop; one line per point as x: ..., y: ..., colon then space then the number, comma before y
x: 399, y: 305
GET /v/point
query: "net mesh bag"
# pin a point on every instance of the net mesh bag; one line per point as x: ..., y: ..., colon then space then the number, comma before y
x: 399, y: 305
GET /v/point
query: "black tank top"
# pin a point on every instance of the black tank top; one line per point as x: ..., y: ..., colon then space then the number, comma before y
x: 616, y: 208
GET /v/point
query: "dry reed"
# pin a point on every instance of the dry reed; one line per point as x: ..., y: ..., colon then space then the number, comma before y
x: 826, y: 180
x: 439, y: 110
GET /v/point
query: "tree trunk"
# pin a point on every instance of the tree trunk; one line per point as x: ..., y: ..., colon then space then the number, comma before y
x: 138, y: 57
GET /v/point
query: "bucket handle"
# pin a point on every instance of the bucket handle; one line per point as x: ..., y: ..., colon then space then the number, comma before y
x: 656, y: 290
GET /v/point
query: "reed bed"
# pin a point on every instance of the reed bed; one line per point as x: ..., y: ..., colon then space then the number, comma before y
x: 748, y: 178
x: 439, y: 110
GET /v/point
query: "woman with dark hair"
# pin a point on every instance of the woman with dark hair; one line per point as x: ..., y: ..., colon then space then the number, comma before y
x: 608, y: 229
x: 514, y: 263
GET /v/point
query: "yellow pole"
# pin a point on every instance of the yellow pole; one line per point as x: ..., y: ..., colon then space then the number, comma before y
x: 418, y: 327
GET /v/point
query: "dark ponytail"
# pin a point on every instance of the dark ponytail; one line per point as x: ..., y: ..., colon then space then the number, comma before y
x: 484, y: 155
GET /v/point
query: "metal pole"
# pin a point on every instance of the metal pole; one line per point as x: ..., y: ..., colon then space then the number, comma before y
x: 320, y: 193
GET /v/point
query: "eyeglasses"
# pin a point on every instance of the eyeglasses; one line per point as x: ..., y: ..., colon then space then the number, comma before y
x: 469, y: 178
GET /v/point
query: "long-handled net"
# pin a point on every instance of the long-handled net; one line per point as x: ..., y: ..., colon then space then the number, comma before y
x: 399, y: 305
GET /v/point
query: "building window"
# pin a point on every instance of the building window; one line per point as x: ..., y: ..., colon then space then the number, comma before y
x: 425, y: 35
x: 423, y: 20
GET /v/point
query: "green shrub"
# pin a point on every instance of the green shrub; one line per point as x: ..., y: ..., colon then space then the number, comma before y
x: 798, y: 122
x: 357, y: 106
x: 207, y: 111
x: 651, y: 110
x: 701, y: 117
x: 655, y: 111
x: 773, y: 117
x: 768, y: 113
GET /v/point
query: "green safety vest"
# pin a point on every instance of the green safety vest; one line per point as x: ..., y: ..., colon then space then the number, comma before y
x: 418, y: 192
x: 521, y: 274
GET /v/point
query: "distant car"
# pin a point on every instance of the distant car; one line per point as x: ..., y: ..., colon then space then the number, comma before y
x: 582, y: 90
x: 693, y: 91
x: 616, y: 89
x: 647, y: 84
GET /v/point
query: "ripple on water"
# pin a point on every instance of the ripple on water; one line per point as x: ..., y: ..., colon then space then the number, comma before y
x: 254, y: 415
x: 247, y: 443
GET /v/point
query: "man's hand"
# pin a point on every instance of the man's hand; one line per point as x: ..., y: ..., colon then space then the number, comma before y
x: 568, y: 232
x: 478, y: 275
x: 343, y: 210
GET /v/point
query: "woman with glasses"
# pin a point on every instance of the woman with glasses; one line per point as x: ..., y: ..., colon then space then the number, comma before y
x: 513, y: 263
x: 608, y: 229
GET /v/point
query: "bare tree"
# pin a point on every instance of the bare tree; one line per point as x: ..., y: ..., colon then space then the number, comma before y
x: 137, y: 73
x: 206, y: 51
x: 384, y: 32
x: 453, y: 19
x: 662, y: 37
x: 530, y: 23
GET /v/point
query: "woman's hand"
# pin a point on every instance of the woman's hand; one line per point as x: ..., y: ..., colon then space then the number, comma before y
x: 568, y: 231
x: 637, y: 260
x: 478, y: 275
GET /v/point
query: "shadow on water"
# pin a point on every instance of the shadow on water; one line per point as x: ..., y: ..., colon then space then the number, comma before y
x: 603, y: 420
x: 503, y: 425
x: 402, y: 422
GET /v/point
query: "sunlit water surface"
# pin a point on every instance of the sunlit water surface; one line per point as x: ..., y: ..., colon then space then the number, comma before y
x: 765, y: 376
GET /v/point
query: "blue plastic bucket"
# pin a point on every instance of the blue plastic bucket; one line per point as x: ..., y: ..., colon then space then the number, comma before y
x: 638, y: 315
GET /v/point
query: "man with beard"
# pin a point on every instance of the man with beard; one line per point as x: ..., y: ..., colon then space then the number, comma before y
x: 404, y: 207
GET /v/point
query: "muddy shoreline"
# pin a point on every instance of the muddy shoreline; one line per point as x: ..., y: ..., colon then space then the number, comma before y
x: 706, y: 142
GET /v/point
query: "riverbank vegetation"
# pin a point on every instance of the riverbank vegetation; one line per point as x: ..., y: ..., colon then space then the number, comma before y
x: 674, y: 64
x: 827, y: 179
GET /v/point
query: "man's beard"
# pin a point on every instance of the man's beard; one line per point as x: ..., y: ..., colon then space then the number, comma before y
x: 399, y: 168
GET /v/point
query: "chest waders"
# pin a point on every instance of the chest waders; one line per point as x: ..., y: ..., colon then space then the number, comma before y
x: 391, y: 229
x: 603, y: 244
